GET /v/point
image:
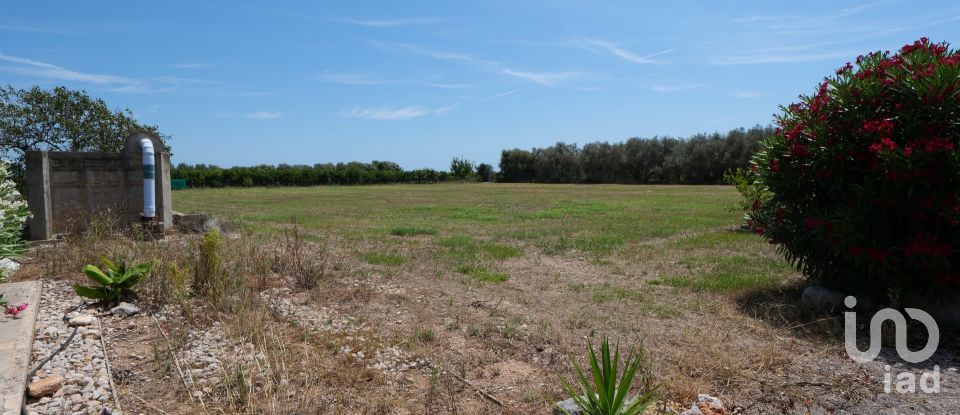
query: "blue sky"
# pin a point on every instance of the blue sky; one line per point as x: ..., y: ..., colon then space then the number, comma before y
x: 242, y: 83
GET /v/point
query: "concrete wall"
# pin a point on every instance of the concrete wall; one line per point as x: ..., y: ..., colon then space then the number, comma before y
x: 66, y: 188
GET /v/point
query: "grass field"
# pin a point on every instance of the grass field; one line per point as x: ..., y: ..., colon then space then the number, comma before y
x: 500, y: 282
x: 473, y: 229
x: 472, y: 299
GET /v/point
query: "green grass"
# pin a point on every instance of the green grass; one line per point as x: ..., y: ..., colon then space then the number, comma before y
x: 378, y: 258
x: 411, y: 231
x: 728, y: 273
x: 687, y: 231
x: 482, y: 274
x: 466, y: 248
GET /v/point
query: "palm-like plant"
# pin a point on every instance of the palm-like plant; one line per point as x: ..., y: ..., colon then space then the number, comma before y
x: 606, y: 392
x: 115, y: 280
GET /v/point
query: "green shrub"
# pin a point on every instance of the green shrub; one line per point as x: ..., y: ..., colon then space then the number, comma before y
x: 13, y: 213
x: 115, y: 281
x: 607, y: 391
x: 208, y: 272
x: 860, y: 185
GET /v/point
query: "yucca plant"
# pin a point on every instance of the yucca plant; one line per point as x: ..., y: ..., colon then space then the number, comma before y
x: 607, y: 391
x: 115, y: 280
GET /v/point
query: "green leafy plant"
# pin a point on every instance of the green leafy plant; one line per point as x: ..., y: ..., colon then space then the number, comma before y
x: 115, y: 280
x: 859, y: 187
x: 2, y: 301
x: 13, y: 213
x: 607, y: 391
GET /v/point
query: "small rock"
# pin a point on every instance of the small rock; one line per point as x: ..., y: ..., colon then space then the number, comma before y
x: 707, y: 405
x: 44, y: 387
x: 567, y: 407
x: 80, y: 320
x: 125, y: 310
x: 51, y: 332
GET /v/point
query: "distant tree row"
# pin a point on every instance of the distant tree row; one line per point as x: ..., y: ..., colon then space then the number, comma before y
x: 376, y: 172
x: 700, y: 159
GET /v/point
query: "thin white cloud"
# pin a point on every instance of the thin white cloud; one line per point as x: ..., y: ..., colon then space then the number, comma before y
x: 432, y: 53
x: 194, y: 65
x: 504, y: 94
x: 374, y: 79
x: 112, y: 83
x: 616, y: 50
x: 674, y: 87
x: 542, y: 78
x: 797, y: 21
x: 390, y: 23
x: 791, y: 38
x: 25, y: 66
x: 263, y: 115
x: 761, y: 58
x: 393, y: 113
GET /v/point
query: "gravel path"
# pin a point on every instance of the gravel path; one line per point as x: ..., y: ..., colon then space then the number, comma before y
x: 86, y: 387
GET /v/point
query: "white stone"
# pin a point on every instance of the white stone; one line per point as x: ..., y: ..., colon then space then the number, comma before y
x: 125, y: 310
x: 80, y: 320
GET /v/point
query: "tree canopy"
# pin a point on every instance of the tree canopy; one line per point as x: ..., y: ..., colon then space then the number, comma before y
x: 61, y: 119
x: 700, y: 159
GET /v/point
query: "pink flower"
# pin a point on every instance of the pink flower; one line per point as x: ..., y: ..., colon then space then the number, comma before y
x: 12, y: 311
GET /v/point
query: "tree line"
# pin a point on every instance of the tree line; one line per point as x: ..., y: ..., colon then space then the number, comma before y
x: 700, y: 159
x: 353, y: 173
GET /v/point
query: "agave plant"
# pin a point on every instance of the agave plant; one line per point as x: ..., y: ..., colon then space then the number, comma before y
x: 606, y: 391
x: 115, y: 280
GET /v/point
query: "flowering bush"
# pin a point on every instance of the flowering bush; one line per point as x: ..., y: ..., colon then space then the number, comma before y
x: 860, y: 185
x: 13, y: 213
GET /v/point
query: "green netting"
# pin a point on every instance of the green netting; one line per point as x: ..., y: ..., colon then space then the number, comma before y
x: 178, y: 184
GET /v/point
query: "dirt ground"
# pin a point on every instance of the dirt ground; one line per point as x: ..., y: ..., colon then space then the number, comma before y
x: 499, y: 348
x: 412, y: 330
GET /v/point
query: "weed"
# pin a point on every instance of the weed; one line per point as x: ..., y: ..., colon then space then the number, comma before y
x: 500, y: 252
x: 209, y: 276
x: 411, y: 231
x: 482, y: 274
x: 114, y: 282
x: 307, y: 266
x: 425, y: 335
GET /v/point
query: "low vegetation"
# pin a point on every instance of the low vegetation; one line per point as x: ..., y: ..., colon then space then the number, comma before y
x: 115, y: 281
x: 858, y: 186
x: 607, y: 390
x: 13, y: 214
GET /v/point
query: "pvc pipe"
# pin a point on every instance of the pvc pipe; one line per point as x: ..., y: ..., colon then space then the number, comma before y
x: 149, y: 175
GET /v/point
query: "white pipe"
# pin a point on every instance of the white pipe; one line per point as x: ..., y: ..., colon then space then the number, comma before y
x: 149, y: 175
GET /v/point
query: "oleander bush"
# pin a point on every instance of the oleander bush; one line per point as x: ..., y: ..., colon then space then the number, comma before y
x: 13, y: 213
x: 859, y: 186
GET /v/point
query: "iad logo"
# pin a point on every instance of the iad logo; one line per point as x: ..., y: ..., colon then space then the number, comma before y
x: 906, y: 382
